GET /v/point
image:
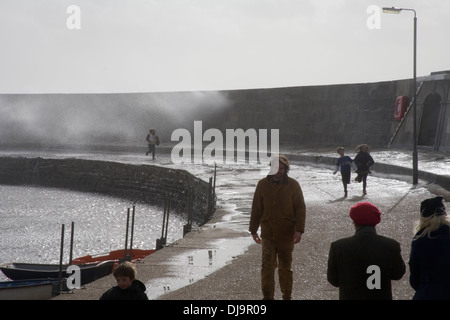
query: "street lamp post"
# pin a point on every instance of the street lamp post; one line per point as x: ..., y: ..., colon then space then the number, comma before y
x: 415, y: 157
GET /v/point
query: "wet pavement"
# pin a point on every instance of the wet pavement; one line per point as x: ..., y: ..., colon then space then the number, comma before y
x: 220, y: 261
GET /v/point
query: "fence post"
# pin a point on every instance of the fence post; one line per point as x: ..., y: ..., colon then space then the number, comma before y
x: 126, y: 235
x: 188, y: 227
x: 61, y: 259
x: 160, y: 243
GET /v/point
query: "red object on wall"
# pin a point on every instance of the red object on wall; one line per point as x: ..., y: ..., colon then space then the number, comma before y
x: 400, y: 107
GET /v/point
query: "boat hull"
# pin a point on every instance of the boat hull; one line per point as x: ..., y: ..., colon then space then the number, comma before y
x: 23, y: 271
x: 117, y: 255
x: 36, y: 289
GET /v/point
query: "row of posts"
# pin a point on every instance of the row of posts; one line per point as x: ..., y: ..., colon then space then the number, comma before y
x: 160, y: 243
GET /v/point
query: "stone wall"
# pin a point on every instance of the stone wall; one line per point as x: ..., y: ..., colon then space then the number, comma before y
x: 348, y: 114
x: 147, y: 183
x: 327, y: 115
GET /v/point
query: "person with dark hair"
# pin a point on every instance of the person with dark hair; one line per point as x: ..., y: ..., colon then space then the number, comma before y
x: 363, y: 265
x: 363, y: 161
x: 279, y: 208
x: 429, y: 261
x: 344, y: 163
x: 128, y: 287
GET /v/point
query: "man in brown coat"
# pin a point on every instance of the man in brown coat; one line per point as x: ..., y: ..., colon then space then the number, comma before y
x: 279, y: 208
x: 363, y: 265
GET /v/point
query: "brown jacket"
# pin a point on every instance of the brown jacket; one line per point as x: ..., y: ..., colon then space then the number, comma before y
x: 279, y: 208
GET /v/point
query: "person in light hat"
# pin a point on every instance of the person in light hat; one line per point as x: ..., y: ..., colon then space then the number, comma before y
x: 278, y: 207
x: 363, y: 265
x: 429, y: 260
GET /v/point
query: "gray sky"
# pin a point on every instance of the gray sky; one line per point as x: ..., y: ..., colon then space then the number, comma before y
x: 192, y: 45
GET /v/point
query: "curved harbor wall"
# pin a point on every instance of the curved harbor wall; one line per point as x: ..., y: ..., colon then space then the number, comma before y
x: 347, y: 114
x: 326, y: 115
x: 147, y: 183
x: 344, y: 114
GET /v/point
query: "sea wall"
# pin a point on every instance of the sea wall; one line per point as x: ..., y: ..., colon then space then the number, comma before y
x: 327, y: 115
x: 147, y: 183
x: 347, y: 114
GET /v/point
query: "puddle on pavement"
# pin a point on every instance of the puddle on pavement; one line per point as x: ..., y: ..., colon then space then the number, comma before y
x: 196, y: 264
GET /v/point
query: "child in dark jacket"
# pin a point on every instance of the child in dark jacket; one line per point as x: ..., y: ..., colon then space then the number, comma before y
x: 128, y: 287
x: 363, y: 160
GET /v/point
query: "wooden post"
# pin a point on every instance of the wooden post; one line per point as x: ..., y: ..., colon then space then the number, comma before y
x: 132, y: 233
x: 188, y: 227
x: 126, y: 234
x: 214, y: 187
x: 209, y: 209
x: 160, y: 243
x: 61, y: 259
x: 71, y: 242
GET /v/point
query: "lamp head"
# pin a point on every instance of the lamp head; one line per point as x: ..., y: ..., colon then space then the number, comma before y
x: 392, y: 10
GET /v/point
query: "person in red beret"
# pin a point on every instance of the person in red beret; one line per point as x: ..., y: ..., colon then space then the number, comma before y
x: 429, y: 261
x: 363, y: 265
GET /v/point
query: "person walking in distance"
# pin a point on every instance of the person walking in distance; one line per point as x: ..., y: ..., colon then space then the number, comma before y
x: 152, y: 141
x: 278, y: 207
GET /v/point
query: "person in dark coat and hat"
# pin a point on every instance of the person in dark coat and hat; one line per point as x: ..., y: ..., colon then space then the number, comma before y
x: 429, y: 260
x: 363, y: 265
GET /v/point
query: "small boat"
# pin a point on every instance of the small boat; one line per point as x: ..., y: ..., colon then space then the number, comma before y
x: 33, y: 289
x: 116, y: 255
x: 24, y: 271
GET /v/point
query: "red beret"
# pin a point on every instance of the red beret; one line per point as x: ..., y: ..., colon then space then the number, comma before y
x: 365, y: 214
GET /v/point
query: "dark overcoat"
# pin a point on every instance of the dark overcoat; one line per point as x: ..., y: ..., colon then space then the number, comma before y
x: 362, y: 266
x: 429, y: 265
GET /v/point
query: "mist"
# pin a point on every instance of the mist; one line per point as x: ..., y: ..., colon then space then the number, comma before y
x: 101, y: 119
